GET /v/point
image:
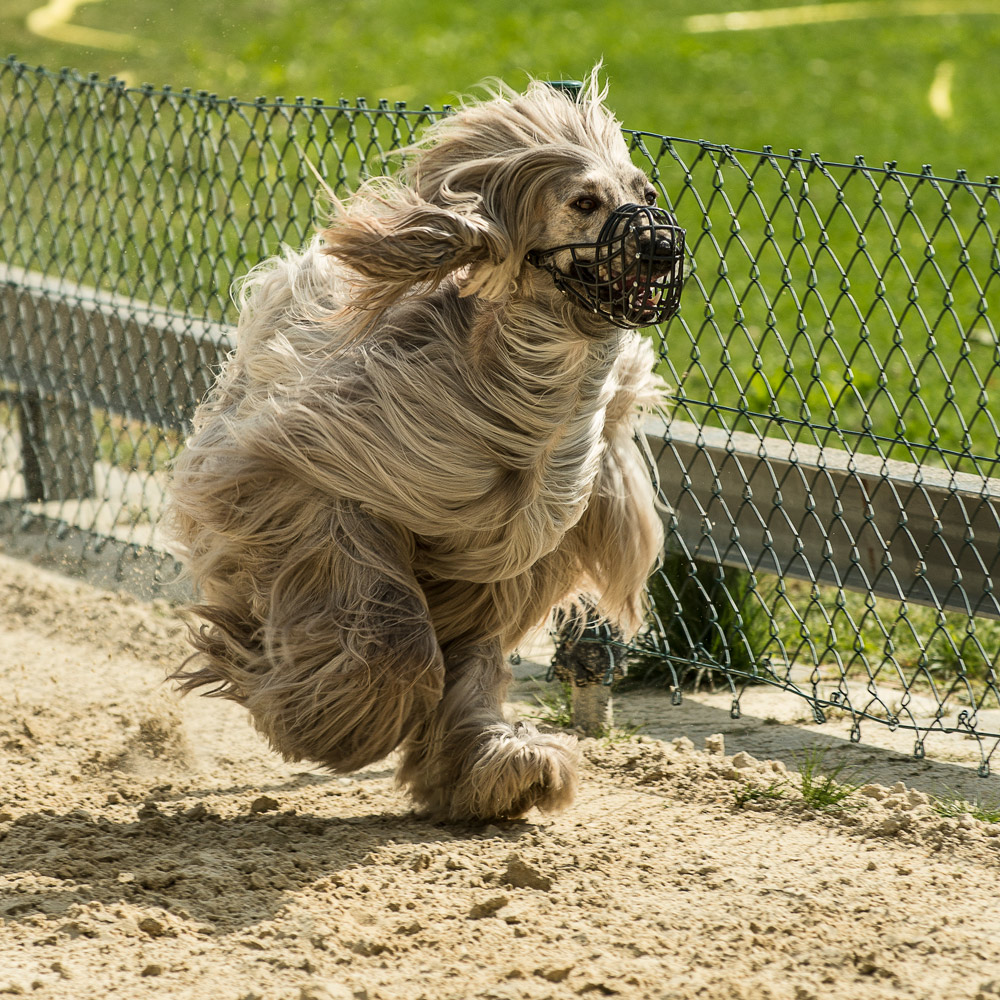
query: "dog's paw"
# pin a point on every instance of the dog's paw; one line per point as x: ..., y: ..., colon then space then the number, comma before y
x: 506, y: 772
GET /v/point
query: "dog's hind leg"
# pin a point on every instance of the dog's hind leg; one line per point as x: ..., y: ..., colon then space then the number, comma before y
x: 468, y: 763
x: 344, y: 662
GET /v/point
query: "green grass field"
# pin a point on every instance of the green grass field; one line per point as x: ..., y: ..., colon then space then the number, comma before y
x: 892, y: 85
x: 819, y: 324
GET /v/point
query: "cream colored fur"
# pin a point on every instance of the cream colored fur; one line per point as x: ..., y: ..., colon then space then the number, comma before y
x: 418, y: 449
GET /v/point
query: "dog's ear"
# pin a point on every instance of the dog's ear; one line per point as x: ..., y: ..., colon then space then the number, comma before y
x: 393, y: 239
x: 509, y: 188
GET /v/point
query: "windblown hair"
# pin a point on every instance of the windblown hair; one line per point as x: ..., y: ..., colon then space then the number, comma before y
x: 418, y: 450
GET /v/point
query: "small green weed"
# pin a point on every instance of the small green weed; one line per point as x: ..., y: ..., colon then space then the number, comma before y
x: 954, y: 806
x: 620, y: 734
x: 755, y: 793
x: 555, y: 704
x: 555, y: 708
x: 988, y: 814
x: 821, y: 787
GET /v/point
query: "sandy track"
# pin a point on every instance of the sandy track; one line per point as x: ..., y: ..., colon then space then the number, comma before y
x: 155, y: 848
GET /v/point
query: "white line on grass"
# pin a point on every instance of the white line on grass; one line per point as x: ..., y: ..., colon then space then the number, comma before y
x: 862, y: 10
x: 52, y: 21
x: 939, y: 96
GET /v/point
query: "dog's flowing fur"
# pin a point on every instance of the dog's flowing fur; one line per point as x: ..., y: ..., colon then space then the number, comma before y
x: 418, y: 449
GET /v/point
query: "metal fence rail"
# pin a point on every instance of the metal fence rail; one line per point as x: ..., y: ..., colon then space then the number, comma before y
x: 830, y: 455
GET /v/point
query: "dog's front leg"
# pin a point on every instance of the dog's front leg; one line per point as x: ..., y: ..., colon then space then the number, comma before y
x: 467, y: 762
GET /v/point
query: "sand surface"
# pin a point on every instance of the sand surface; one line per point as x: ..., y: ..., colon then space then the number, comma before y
x: 152, y: 847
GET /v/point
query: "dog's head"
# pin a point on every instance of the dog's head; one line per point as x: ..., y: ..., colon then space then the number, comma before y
x: 531, y: 194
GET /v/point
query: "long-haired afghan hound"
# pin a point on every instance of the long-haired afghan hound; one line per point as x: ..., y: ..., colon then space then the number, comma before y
x: 424, y: 443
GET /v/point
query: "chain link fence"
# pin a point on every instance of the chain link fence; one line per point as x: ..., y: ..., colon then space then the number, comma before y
x: 829, y: 457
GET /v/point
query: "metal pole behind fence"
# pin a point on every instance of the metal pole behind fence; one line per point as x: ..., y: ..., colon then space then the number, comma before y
x: 571, y: 88
x: 58, y: 448
x: 587, y: 660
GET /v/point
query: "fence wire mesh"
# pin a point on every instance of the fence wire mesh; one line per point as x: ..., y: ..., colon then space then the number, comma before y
x: 829, y: 457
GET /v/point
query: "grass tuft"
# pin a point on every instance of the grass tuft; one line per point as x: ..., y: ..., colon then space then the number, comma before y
x: 554, y: 704
x: 554, y: 707
x: 823, y: 787
x: 757, y: 793
x: 620, y: 734
x: 954, y: 806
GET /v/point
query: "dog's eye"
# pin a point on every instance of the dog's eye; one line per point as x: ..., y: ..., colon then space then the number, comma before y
x: 586, y: 205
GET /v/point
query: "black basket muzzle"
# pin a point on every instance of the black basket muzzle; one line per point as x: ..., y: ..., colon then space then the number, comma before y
x: 632, y: 274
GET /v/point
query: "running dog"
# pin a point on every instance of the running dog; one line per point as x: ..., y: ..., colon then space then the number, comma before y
x: 424, y: 442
